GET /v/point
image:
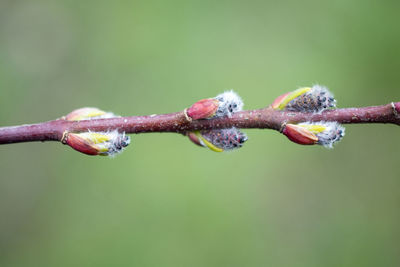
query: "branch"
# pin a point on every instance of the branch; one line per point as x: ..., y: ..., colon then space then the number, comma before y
x: 306, y: 116
x: 266, y: 118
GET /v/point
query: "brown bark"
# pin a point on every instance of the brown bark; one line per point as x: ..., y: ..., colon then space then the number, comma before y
x: 266, y: 118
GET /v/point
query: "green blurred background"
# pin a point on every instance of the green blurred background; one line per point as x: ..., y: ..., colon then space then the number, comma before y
x: 164, y: 201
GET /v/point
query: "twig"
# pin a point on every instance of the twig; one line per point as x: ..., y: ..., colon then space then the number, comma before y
x: 266, y: 118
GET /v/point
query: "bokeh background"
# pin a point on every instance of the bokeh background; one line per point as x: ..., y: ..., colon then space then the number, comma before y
x: 164, y: 201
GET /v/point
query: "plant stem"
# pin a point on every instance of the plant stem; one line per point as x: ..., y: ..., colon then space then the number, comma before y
x: 266, y: 118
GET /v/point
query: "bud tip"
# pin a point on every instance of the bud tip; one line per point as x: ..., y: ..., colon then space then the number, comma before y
x: 88, y: 113
x: 203, y: 109
x: 397, y: 108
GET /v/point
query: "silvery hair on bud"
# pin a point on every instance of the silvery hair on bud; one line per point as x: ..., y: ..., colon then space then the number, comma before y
x: 107, y: 115
x: 333, y: 133
x: 118, y: 144
x: 229, y: 103
x: 227, y: 139
x: 317, y: 100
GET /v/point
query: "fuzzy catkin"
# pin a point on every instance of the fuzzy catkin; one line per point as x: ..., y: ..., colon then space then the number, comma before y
x: 317, y: 99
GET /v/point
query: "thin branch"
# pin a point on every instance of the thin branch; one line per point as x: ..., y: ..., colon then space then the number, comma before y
x: 266, y: 118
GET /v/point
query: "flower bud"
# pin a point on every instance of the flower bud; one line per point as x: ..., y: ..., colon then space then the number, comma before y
x: 396, y: 107
x: 321, y: 133
x: 197, y: 138
x: 98, y: 143
x: 300, y: 135
x: 282, y: 101
x: 278, y: 101
x: 220, y: 140
x: 332, y: 133
x: 229, y: 103
x: 194, y: 138
x: 203, y: 109
x: 307, y: 99
x: 88, y: 113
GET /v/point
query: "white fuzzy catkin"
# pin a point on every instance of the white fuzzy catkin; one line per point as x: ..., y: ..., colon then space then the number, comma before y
x: 115, y: 145
x: 333, y: 133
x: 226, y: 139
x: 118, y: 144
x: 318, y: 99
x: 229, y: 103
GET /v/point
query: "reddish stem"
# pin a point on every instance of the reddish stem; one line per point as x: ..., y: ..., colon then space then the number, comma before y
x: 177, y: 122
